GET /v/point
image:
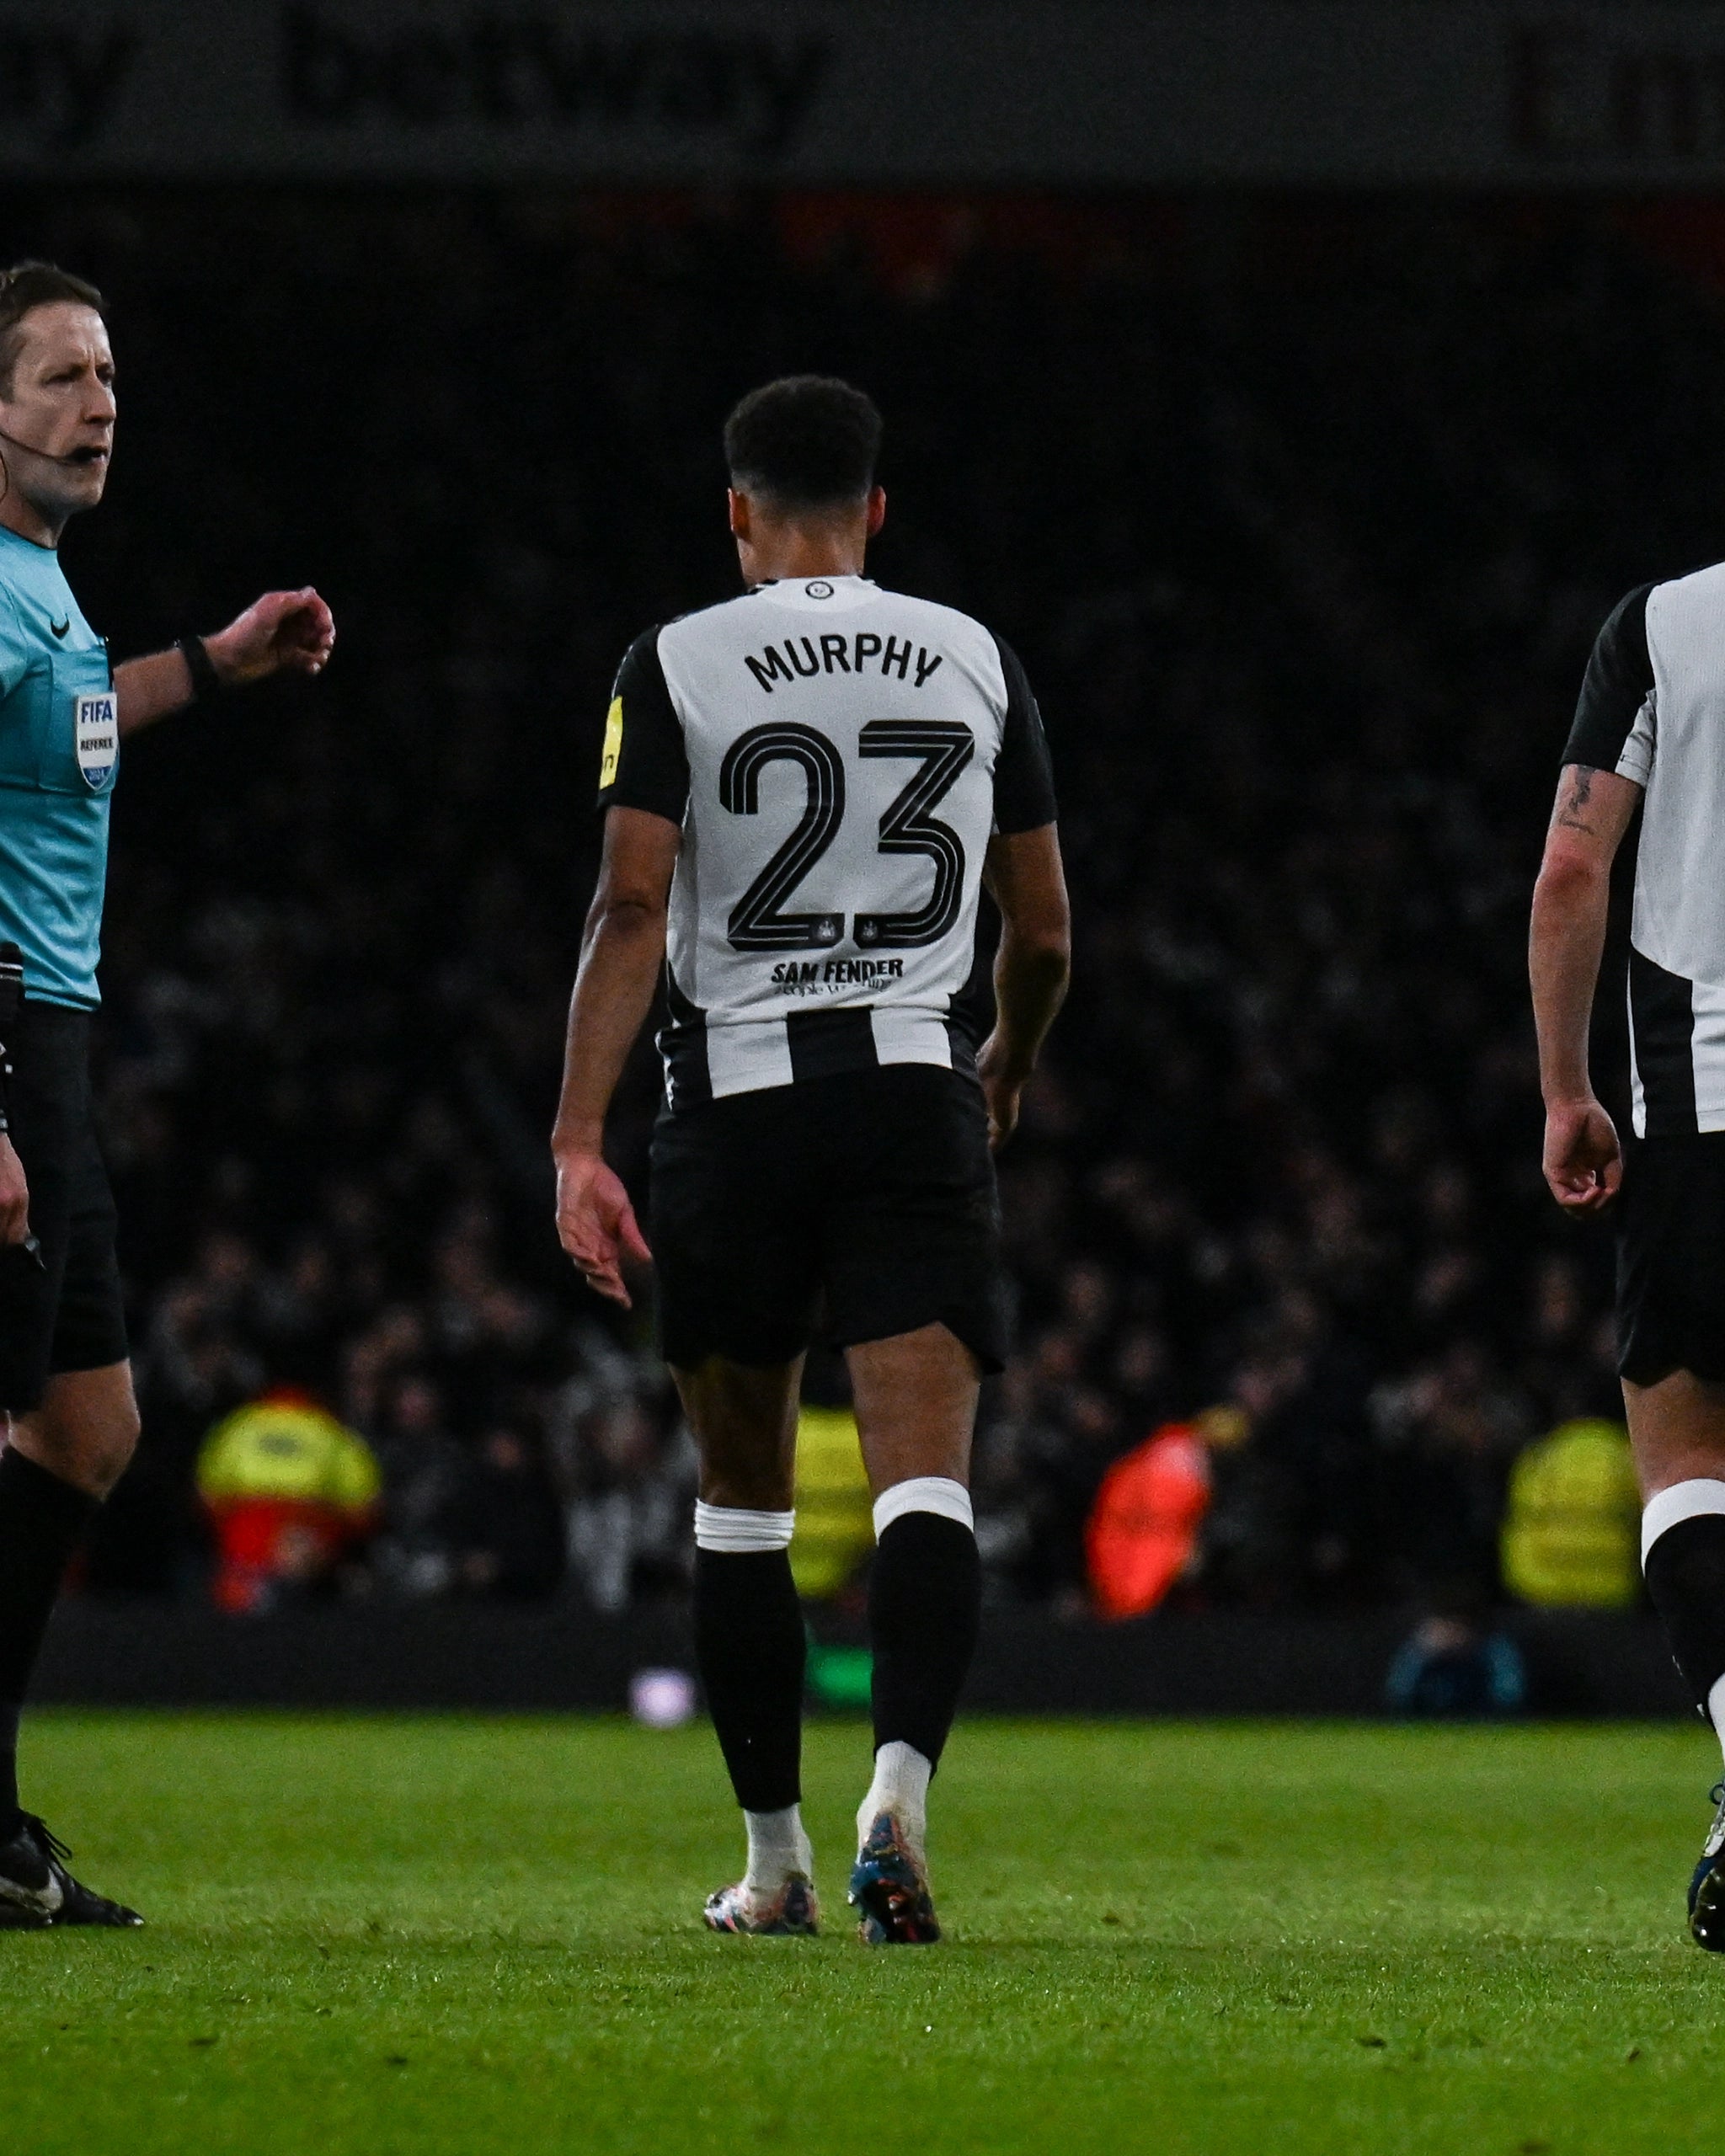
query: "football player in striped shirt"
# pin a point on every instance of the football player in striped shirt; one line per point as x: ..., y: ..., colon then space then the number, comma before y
x: 806, y: 789
x: 1649, y: 734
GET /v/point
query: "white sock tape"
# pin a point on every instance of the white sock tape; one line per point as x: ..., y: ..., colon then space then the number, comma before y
x: 1670, y: 1508
x: 923, y: 1493
x: 737, y: 1531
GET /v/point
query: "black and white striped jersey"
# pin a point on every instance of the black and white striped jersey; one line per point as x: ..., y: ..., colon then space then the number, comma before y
x: 838, y: 757
x: 1652, y: 710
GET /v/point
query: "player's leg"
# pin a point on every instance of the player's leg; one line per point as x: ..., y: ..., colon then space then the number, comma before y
x: 736, y: 1287
x: 748, y: 1639
x: 915, y: 1277
x: 1670, y: 1231
x: 916, y: 1400
x: 1677, y: 1427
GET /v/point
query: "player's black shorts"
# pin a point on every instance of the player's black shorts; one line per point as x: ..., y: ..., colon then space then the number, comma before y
x: 1670, y: 1218
x: 66, y: 1314
x: 856, y: 1206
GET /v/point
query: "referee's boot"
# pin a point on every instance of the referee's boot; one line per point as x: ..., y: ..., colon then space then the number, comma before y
x: 37, y: 1890
x: 889, y: 1891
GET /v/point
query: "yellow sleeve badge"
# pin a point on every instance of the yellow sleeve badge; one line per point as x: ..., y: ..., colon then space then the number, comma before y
x: 613, y: 743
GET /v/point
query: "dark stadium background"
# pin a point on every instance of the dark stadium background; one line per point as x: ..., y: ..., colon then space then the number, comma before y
x: 1303, y: 515
x: 1297, y: 406
x: 1296, y: 385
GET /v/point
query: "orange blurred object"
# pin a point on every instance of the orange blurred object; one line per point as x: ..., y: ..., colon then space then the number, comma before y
x: 263, y: 1541
x: 1143, y: 1527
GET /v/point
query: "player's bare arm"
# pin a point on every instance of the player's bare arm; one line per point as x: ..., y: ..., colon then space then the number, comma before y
x: 1032, y: 967
x: 282, y: 633
x: 623, y: 952
x: 1584, y: 1160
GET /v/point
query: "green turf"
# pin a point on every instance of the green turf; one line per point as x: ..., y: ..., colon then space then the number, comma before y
x: 457, y: 1935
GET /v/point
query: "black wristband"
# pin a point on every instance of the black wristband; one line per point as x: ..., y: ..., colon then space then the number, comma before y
x: 206, y: 682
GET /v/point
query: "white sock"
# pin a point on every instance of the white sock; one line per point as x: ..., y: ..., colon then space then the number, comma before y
x: 900, y: 1786
x: 1716, y: 1712
x: 777, y: 1848
x: 731, y: 1528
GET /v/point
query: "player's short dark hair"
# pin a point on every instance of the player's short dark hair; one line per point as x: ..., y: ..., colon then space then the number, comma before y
x: 29, y: 285
x: 804, y: 442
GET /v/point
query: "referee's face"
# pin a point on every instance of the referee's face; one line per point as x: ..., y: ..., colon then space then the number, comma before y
x: 58, y: 417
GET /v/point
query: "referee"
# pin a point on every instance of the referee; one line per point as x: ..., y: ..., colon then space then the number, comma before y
x: 66, y: 1390
x: 806, y: 788
x: 1650, y: 735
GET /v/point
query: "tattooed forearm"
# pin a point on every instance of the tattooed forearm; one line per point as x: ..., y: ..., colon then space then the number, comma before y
x: 1573, y: 801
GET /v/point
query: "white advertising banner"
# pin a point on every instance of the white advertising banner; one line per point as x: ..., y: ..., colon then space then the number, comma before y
x: 1302, y: 92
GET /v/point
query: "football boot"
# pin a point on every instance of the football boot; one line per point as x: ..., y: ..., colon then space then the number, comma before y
x: 37, y: 1890
x: 889, y: 1891
x: 1706, y: 1889
x: 792, y: 1913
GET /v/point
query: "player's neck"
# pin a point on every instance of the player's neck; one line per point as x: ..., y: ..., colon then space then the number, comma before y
x: 797, y: 551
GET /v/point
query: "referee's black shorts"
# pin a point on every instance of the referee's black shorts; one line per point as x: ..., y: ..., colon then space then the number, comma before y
x: 66, y: 1314
x: 857, y: 1206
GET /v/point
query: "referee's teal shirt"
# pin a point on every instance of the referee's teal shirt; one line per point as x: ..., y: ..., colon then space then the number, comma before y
x: 59, y: 751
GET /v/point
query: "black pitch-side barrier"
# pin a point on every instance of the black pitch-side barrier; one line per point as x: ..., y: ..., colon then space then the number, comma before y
x: 561, y: 1656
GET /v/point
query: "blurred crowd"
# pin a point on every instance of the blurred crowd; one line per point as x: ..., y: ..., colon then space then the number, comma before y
x: 1302, y: 522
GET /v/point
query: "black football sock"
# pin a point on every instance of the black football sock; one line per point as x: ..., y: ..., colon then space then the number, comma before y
x: 925, y: 1602
x: 750, y: 1643
x: 42, y: 1519
x: 1683, y: 1544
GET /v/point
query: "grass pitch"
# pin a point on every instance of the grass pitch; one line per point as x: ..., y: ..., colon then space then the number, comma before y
x: 465, y: 1936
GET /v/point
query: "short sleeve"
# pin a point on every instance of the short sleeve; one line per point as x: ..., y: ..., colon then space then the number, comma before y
x: 645, y: 764
x: 1615, y: 718
x: 1023, y: 777
x: 16, y: 652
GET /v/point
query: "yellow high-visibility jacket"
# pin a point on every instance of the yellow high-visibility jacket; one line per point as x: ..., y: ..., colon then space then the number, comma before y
x: 290, y: 1449
x: 835, y: 1511
x: 1571, y: 1527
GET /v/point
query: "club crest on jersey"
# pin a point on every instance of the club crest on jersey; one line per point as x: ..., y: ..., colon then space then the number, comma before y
x: 96, y: 731
x: 821, y: 588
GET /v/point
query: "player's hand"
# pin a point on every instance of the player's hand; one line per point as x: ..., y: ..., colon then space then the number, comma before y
x: 596, y: 1225
x: 1584, y: 1160
x: 284, y: 632
x: 1003, y: 1088
x: 14, y: 1195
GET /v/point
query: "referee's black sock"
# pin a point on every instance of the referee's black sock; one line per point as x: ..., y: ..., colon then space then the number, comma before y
x: 748, y: 1641
x: 1683, y: 1556
x: 925, y: 1602
x: 42, y: 1520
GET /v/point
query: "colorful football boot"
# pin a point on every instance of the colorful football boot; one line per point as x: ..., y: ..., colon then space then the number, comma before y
x: 792, y: 1913
x: 889, y: 1891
